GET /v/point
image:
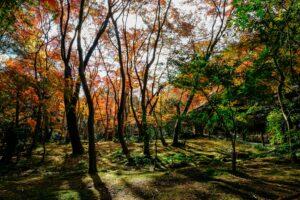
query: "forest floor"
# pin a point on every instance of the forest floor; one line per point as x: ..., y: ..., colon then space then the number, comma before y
x: 200, y: 170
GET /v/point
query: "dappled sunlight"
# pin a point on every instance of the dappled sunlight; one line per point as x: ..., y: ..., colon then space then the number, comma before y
x: 209, y: 177
x: 149, y: 99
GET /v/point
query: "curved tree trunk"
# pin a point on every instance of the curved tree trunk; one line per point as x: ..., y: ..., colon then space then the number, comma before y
x: 178, y: 124
x: 283, y: 109
x: 91, y: 134
x: 122, y: 106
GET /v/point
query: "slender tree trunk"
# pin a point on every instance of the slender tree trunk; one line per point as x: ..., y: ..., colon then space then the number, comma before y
x: 122, y: 106
x: 145, y: 133
x: 47, y: 131
x: 17, y: 115
x: 233, y: 154
x: 283, y: 109
x: 288, y: 125
x: 138, y: 124
x: 120, y: 117
x: 285, y: 116
x: 120, y: 132
x: 160, y: 126
x: 177, y: 131
x: 178, y: 124
x: 91, y: 134
x: 160, y: 129
x: 37, y: 131
x: 107, y: 116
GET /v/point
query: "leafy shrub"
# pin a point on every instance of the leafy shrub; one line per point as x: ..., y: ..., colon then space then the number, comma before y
x: 118, y: 154
x: 260, y: 147
x: 141, y: 161
x: 177, y: 158
x: 274, y: 126
x: 82, y: 165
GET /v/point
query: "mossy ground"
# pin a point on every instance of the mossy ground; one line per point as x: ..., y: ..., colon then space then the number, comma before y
x: 200, y: 170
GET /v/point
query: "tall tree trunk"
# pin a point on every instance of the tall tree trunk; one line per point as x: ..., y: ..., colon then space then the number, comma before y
x: 70, y: 100
x: 107, y: 115
x: 283, y: 109
x: 144, y: 130
x: 122, y: 106
x: 91, y: 134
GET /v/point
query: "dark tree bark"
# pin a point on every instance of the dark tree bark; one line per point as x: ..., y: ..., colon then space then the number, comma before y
x: 70, y: 106
x: 83, y: 62
x: 71, y: 92
x: 178, y: 127
x: 122, y: 106
x: 178, y: 124
x: 91, y: 134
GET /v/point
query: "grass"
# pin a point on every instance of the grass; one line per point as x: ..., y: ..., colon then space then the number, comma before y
x: 200, y: 170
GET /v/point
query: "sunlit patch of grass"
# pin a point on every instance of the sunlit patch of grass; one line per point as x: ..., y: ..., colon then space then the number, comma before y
x: 67, y: 195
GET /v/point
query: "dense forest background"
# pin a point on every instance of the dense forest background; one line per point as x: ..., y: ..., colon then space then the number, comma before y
x: 171, y: 86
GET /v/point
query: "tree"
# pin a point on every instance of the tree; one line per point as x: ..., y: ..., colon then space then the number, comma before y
x: 220, y: 11
x: 83, y: 62
x: 121, y: 110
x: 72, y: 88
x: 275, y: 25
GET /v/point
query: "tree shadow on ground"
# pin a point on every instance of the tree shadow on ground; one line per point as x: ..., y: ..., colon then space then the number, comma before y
x: 139, y: 191
x: 68, y: 182
x: 101, y: 187
x: 244, y: 185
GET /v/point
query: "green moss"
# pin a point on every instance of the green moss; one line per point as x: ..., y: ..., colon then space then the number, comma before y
x: 68, y: 195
